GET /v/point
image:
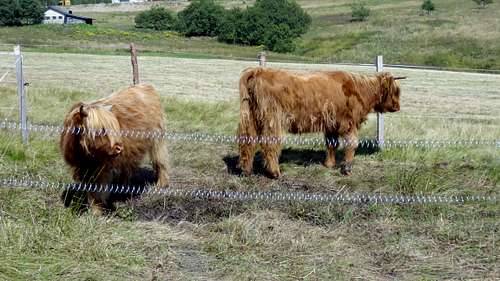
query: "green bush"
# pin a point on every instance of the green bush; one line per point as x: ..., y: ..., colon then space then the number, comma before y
x: 279, y: 38
x: 273, y: 23
x: 200, y: 18
x: 158, y: 18
x: 22, y: 12
x: 359, y: 12
x: 483, y: 3
x: 230, y: 27
x: 428, y: 6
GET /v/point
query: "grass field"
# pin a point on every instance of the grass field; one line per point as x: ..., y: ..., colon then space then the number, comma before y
x: 159, y: 238
x: 457, y: 34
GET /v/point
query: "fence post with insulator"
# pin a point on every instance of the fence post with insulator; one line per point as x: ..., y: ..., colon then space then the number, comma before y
x: 21, y: 84
x: 261, y: 57
x: 379, y: 64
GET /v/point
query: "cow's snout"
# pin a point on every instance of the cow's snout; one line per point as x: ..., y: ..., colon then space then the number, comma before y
x: 116, y: 149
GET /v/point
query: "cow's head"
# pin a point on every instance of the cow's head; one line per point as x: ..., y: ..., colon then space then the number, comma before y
x: 97, y: 130
x: 389, y: 93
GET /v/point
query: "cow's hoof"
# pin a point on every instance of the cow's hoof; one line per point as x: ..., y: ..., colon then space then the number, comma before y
x: 243, y: 171
x: 97, y: 211
x: 246, y: 173
x: 346, y: 169
x: 274, y: 174
x: 163, y: 182
x: 329, y: 164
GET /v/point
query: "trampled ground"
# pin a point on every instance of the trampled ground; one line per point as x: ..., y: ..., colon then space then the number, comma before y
x: 157, y: 238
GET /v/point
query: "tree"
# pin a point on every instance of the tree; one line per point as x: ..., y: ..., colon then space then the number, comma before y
x: 279, y: 38
x: 200, y: 18
x: 9, y: 13
x: 273, y: 23
x: 157, y: 18
x: 230, y: 26
x: 483, y: 3
x: 359, y: 11
x: 32, y: 11
x: 428, y: 6
x: 20, y: 12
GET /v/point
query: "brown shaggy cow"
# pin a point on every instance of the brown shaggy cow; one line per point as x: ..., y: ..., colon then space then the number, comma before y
x: 274, y: 101
x: 100, y: 158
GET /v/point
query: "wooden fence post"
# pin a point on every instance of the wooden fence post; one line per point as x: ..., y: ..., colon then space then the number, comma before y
x: 261, y: 57
x: 379, y: 64
x: 21, y: 92
x: 135, y: 67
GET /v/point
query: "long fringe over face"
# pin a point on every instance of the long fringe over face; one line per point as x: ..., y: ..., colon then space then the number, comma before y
x: 100, y: 123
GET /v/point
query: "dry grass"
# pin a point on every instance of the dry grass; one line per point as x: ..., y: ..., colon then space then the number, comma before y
x: 457, y: 34
x: 156, y: 238
x: 429, y: 97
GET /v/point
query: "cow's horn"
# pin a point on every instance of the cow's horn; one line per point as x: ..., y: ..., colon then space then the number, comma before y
x: 400, y: 77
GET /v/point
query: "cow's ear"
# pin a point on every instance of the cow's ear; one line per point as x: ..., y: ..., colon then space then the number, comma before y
x: 388, y: 81
x: 79, y: 112
x: 82, y: 111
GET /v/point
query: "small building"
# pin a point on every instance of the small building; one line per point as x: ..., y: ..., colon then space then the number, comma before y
x: 58, y: 15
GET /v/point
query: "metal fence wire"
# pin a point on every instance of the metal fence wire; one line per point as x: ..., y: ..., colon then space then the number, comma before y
x: 55, y: 130
x: 271, y: 196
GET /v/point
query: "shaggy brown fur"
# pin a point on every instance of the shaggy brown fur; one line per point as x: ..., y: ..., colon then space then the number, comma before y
x: 336, y: 103
x: 111, y: 158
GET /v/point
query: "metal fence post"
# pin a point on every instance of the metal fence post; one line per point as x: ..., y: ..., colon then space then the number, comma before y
x: 135, y: 67
x: 261, y: 57
x: 21, y: 92
x: 379, y: 64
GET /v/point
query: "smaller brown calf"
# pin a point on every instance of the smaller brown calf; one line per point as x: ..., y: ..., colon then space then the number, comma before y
x: 274, y: 101
x: 101, y: 155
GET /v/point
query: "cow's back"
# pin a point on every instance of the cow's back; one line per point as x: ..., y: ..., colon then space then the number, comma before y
x: 309, y: 102
x: 137, y: 107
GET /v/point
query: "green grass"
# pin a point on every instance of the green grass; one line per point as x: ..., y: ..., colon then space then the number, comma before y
x: 162, y: 238
x: 457, y: 34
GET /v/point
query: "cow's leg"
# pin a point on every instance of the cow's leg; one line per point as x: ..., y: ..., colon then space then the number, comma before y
x: 159, y: 157
x: 332, y: 142
x: 271, y: 147
x: 100, y: 202
x: 271, y: 158
x: 351, y: 145
x: 247, y: 146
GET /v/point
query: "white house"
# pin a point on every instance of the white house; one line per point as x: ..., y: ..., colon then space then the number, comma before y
x: 58, y: 15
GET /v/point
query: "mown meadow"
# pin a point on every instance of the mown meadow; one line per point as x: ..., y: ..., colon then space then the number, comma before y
x: 158, y: 237
x: 169, y: 238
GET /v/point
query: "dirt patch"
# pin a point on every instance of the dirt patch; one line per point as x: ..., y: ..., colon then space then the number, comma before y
x: 174, y: 210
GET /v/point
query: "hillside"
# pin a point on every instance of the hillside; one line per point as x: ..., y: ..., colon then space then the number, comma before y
x: 454, y: 116
x: 170, y: 238
x: 457, y: 34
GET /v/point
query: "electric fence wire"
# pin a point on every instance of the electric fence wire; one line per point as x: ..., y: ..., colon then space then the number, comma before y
x: 271, y: 196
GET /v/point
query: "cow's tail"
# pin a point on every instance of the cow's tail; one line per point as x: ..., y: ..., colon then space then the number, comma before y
x: 247, y: 89
x: 247, y: 130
